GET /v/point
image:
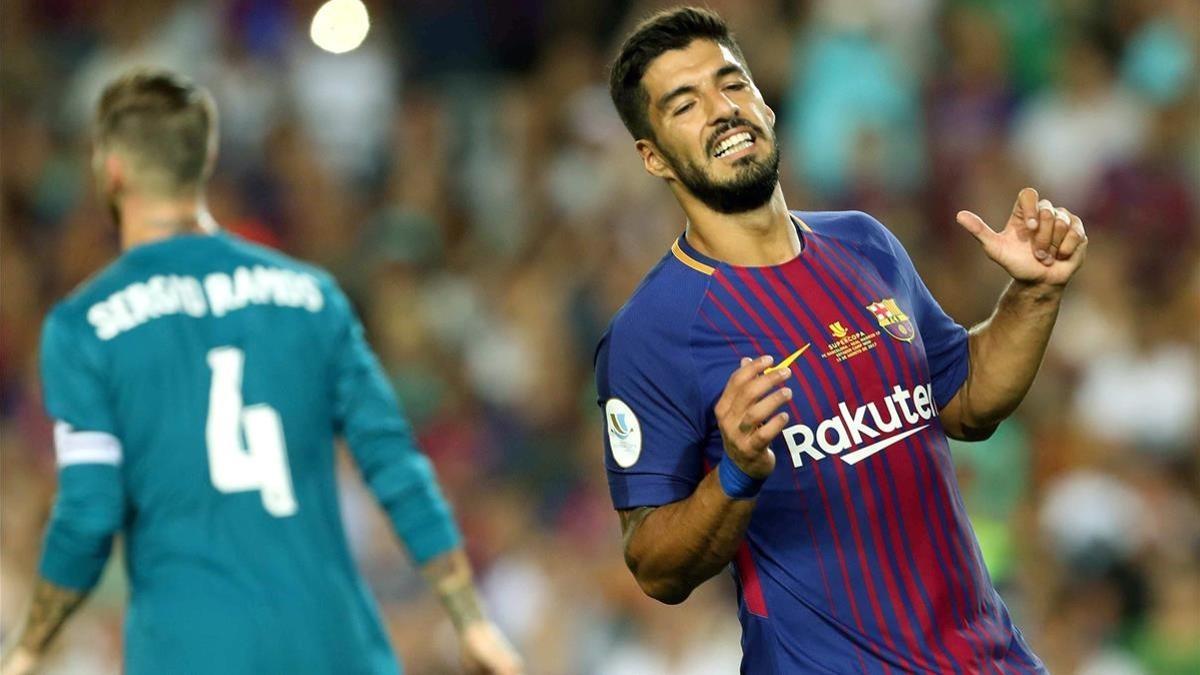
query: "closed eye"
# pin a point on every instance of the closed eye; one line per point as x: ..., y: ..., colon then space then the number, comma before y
x: 735, y: 86
x: 684, y: 108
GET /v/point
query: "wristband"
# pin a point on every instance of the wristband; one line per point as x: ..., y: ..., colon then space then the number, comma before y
x: 735, y: 483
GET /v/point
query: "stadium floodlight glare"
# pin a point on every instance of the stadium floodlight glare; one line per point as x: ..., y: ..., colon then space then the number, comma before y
x: 340, y: 26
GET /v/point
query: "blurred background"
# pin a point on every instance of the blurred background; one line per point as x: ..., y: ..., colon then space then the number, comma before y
x: 464, y: 175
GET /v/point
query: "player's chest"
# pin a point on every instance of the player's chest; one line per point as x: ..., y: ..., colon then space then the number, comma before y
x: 851, y: 342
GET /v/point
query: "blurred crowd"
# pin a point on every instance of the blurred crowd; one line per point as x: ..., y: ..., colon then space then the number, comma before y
x: 466, y: 178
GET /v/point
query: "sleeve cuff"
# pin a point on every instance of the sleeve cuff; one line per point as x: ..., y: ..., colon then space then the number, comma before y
x: 63, y: 565
x: 947, y: 381
x: 431, y: 540
x: 629, y: 492
x: 431, y: 545
x: 425, y: 524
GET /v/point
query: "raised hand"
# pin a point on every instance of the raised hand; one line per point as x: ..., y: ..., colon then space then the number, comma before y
x: 747, y: 417
x: 1040, y: 243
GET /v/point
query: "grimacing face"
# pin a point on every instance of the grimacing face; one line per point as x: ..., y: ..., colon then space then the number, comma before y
x: 713, y: 131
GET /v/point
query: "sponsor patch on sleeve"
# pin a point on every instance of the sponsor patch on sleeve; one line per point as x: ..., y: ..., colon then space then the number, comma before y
x: 624, y: 432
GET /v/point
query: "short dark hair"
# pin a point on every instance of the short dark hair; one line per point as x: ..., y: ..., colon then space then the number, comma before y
x: 661, y: 32
x: 166, y: 124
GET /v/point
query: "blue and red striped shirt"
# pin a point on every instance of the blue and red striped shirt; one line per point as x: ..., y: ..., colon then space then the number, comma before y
x: 859, y: 556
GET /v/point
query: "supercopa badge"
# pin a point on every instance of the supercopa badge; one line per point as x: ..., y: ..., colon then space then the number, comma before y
x: 624, y: 432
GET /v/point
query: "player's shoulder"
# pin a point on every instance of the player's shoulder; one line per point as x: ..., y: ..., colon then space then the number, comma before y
x: 65, y: 328
x: 60, y: 319
x: 658, y: 317
x: 856, y: 228
x: 649, y: 338
x: 97, y: 287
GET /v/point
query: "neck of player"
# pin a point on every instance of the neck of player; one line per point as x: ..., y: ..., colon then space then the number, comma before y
x: 145, y: 219
x: 762, y: 237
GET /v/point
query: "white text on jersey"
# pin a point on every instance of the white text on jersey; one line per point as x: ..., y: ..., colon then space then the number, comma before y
x: 851, y: 428
x: 221, y: 293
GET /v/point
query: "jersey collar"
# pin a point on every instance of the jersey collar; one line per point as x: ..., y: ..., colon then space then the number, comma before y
x: 685, y: 253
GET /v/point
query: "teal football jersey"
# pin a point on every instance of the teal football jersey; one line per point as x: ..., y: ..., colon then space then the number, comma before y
x: 197, y: 385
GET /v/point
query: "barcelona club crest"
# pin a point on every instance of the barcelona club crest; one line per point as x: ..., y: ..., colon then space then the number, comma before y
x: 892, y: 319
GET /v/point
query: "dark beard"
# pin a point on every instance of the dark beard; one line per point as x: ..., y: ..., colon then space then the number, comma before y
x: 752, y: 186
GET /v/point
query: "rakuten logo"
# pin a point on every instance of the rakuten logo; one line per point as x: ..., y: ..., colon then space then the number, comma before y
x: 850, y: 429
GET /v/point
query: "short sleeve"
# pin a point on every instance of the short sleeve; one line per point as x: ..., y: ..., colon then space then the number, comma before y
x: 945, y: 339
x: 73, y: 377
x: 653, y: 424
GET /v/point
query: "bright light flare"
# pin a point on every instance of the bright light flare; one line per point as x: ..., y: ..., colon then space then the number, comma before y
x: 340, y: 25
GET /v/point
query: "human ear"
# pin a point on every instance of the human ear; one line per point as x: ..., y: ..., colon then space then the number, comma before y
x: 652, y: 159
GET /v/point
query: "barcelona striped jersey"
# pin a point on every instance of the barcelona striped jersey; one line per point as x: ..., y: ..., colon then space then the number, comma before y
x: 859, y: 556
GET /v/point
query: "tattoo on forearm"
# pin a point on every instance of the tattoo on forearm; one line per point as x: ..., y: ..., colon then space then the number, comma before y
x: 450, y: 577
x: 462, y: 604
x: 50, y: 609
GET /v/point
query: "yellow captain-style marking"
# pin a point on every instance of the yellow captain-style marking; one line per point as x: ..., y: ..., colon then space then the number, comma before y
x: 786, y: 363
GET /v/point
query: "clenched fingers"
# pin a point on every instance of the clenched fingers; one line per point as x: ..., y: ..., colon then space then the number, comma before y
x: 746, y: 380
x: 1075, y: 237
x: 749, y: 393
x: 1062, y: 227
x: 1045, y: 230
x: 760, y: 411
x: 748, y: 370
x: 766, y: 433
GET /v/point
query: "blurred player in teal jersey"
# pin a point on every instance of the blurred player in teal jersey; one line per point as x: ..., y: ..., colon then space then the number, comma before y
x: 197, y: 385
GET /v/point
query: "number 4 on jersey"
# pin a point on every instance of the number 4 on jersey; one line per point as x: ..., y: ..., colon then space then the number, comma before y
x: 262, y: 465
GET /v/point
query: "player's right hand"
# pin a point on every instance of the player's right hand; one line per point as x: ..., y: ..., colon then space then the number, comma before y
x: 748, y: 414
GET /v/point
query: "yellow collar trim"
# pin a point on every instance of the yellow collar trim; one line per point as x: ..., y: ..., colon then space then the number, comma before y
x: 690, y: 261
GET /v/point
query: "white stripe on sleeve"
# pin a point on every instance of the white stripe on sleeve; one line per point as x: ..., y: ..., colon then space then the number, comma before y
x: 85, y: 447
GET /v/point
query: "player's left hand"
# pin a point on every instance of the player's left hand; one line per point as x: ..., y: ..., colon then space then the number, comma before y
x: 1040, y: 243
x: 486, y: 651
x: 20, y: 661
